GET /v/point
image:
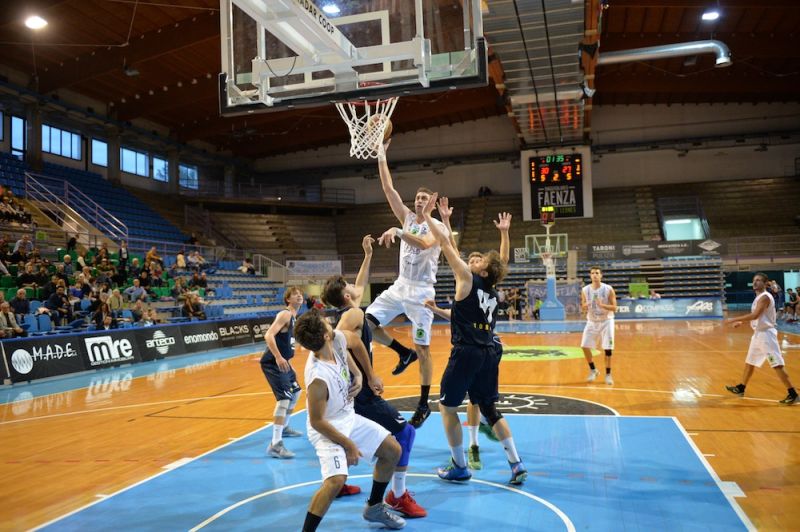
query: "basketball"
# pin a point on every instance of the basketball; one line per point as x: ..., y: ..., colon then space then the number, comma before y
x: 387, y: 132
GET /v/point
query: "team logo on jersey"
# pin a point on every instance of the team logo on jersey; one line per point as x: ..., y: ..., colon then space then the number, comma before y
x: 419, y: 333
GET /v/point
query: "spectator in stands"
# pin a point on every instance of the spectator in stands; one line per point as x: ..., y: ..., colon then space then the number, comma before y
x: 537, y: 305
x: 27, y: 278
x: 59, y: 306
x: 3, y: 267
x: 9, y: 328
x: 310, y: 301
x: 790, y: 307
x: 155, y: 276
x: 81, y: 260
x: 192, y: 308
x: 202, y: 281
x: 135, y: 292
x: 192, y: 240
x: 150, y: 317
x: 194, y: 281
x: 135, y: 270
x: 69, y: 268
x: 116, y: 303
x: 180, y: 261
x: 105, y: 272
x: 102, y: 253
x: 49, y: 288
x: 83, y: 286
x: 151, y: 256
x: 777, y: 293
x: 24, y: 244
x: 654, y: 294
x: 72, y: 243
x: 247, y: 267
x: 20, y: 303
x: 179, y: 290
x: 122, y: 255
x: 103, y: 318
x: 138, y: 310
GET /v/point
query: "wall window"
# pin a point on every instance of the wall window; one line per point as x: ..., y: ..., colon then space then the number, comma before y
x: 134, y: 162
x: 99, y: 153
x: 2, y: 125
x: 19, y: 140
x: 160, y: 169
x: 188, y: 176
x: 60, y: 142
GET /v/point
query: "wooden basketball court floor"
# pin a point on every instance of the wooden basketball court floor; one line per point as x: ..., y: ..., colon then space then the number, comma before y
x: 151, y: 447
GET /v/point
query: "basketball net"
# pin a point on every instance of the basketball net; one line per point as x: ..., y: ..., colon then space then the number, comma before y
x: 549, y: 263
x: 366, y: 121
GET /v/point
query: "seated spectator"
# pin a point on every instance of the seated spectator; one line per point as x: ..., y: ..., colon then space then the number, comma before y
x: 150, y: 317
x: 20, y: 303
x: 151, y: 256
x: 9, y: 328
x: 24, y: 244
x: 103, y: 318
x: 105, y: 270
x: 59, y: 306
x: 116, y: 303
x: 138, y: 310
x: 247, y: 267
x: 180, y: 261
x: 135, y: 292
x: 192, y: 308
x: 102, y: 253
x: 3, y: 267
x: 27, y: 278
x: 69, y: 268
x: 135, y: 269
x: 81, y: 260
x: 194, y: 282
x: 49, y: 288
x: 790, y: 307
x: 654, y: 294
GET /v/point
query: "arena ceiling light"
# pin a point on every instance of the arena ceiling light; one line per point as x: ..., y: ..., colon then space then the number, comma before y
x: 710, y: 15
x: 35, y: 22
x: 331, y: 9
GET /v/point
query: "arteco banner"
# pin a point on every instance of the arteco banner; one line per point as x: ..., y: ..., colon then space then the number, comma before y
x: 159, y: 342
x: 688, y: 307
x: 258, y: 327
x: 200, y: 336
x: 110, y: 348
x: 46, y: 357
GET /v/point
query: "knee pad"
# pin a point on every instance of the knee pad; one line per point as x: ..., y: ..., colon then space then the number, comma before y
x: 406, y: 440
x: 489, y: 411
x: 281, y: 408
x: 608, y: 352
x: 294, y: 399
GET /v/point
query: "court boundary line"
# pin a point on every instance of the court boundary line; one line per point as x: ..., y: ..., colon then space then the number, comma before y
x: 555, y: 509
x: 731, y: 500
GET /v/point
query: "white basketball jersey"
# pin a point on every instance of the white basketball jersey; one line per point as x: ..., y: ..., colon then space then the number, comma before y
x: 336, y: 376
x: 601, y: 295
x: 766, y: 321
x: 419, y: 265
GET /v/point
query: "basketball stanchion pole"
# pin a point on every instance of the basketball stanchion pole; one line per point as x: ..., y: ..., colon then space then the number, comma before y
x: 552, y: 309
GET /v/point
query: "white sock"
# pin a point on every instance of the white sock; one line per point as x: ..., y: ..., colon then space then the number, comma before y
x: 399, y: 483
x: 458, y: 456
x: 277, y: 433
x: 511, y: 450
x: 473, y: 435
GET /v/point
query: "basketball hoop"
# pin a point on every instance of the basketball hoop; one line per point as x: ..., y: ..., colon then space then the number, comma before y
x: 367, y: 121
x: 549, y: 263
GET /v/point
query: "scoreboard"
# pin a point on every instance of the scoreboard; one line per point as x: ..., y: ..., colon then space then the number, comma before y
x: 557, y: 178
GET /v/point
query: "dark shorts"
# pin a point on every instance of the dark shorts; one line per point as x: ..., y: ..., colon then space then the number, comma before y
x: 472, y: 370
x: 284, y: 385
x: 376, y: 409
x: 493, y: 372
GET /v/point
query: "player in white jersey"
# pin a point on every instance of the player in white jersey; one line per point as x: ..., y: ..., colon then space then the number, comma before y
x: 338, y: 434
x: 599, y: 302
x: 764, y: 344
x: 419, y: 258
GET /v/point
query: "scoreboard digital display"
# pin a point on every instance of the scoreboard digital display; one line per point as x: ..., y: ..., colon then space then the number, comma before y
x: 557, y: 168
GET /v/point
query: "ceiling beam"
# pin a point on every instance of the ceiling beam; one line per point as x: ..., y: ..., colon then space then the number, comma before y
x: 151, y: 105
x: 759, y: 45
x: 145, y: 47
x: 705, y: 86
x: 702, y: 4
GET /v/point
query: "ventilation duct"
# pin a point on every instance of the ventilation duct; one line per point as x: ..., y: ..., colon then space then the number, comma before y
x: 669, y: 50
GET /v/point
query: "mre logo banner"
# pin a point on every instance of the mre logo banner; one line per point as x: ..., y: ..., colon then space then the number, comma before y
x: 110, y: 349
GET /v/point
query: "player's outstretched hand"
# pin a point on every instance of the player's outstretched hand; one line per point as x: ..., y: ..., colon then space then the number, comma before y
x: 431, y: 203
x: 387, y: 238
x: 503, y: 222
x: 430, y: 303
x: 445, y: 210
x: 366, y: 244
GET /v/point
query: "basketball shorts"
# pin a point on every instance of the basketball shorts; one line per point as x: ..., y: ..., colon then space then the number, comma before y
x: 284, y: 385
x: 764, y: 346
x: 381, y: 412
x: 365, y: 433
x: 469, y: 372
x: 598, y: 331
x: 406, y: 297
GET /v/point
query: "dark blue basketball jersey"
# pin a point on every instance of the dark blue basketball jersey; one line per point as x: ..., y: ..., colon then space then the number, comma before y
x: 366, y: 338
x: 285, y: 343
x: 473, y: 318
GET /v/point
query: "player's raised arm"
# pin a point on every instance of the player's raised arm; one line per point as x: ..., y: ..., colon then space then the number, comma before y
x: 445, y: 212
x: 460, y: 269
x: 503, y: 224
x: 395, y: 201
x: 445, y: 313
x: 363, y: 273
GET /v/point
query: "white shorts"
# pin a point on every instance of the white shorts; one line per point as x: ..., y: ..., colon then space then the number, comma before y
x: 365, y: 433
x: 404, y: 297
x: 598, y: 330
x: 764, y: 346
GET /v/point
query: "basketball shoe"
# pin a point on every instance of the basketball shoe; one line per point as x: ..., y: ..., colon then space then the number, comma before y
x: 609, y: 380
x: 278, y: 450
x: 474, y: 457
x: 404, y: 362
x: 422, y: 413
x: 406, y: 505
x: 289, y: 432
x: 592, y: 375
x: 518, y: 473
x: 737, y: 390
x: 454, y: 473
x: 379, y: 513
x: 790, y: 399
x: 347, y: 490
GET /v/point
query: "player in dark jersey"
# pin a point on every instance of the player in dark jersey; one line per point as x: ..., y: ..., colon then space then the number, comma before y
x: 349, y: 318
x: 471, y: 368
x: 279, y: 372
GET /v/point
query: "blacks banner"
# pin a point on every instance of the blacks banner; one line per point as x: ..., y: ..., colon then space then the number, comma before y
x: 43, y: 357
x: 159, y: 342
x: 200, y: 336
x: 234, y: 332
x: 110, y: 348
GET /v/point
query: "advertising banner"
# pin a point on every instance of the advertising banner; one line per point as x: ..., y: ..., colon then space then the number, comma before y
x: 685, y: 307
x: 110, y: 348
x: 200, y: 336
x: 314, y: 268
x: 234, y: 332
x: 43, y: 357
x: 258, y: 327
x: 656, y: 250
x: 159, y: 342
x: 569, y: 294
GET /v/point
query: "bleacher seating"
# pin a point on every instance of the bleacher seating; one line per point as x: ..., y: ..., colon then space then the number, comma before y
x: 12, y: 173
